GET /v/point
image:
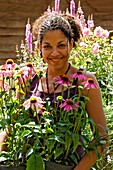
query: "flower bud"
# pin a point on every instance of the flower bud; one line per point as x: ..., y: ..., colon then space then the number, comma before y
x: 59, y: 98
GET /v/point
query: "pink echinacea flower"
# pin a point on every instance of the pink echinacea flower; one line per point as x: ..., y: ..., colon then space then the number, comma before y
x: 33, y: 102
x: 63, y: 79
x: 10, y: 65
x: 4, y: 72
x: 68, y: 105
x: 79, y: 75
x: 27, y: 71
x: 90, y: 84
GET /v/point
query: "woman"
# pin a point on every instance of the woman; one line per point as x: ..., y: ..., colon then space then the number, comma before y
x: 56, y: 35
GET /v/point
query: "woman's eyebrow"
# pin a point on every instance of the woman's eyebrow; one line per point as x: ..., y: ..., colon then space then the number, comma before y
x: 46, y: 43
x: 62, y: 41
x: 58, y: 42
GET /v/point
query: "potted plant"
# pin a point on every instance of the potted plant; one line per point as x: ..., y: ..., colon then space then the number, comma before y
x: 53, y: 139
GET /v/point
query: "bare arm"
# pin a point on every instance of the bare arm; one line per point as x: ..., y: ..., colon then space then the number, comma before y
x: 95, y: 111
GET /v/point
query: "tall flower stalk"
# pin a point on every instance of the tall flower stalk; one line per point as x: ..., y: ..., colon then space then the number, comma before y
x: 72, y: 7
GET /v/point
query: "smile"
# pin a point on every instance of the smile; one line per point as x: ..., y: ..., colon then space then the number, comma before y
x: 55, y: 59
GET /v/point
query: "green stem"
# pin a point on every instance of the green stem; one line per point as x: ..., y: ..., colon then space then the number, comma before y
x: 40, y: 127
x: 68, y: 93
x: 65, y: 115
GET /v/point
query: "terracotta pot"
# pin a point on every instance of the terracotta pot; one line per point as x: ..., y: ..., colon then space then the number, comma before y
x: 7, y: 167
x: 55, y: 166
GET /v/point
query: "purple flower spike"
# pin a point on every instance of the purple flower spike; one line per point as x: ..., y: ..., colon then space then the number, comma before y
x: 57, y: 5
x: 30, y: 43
x: 28, y: 26
x: 49, y: 10
x: 72, y: 7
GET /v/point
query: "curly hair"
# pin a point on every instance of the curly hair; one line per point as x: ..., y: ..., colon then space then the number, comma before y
x: 67, y: 23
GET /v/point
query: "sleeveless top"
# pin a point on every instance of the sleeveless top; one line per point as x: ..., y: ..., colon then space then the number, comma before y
x: 34, y: 90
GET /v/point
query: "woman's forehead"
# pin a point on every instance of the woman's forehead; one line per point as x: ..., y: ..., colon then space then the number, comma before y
x: 54, y: 35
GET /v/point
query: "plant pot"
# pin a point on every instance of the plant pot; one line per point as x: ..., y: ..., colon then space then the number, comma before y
x: 48, y: 166
x: 7, y: 167
x: 54, y: 166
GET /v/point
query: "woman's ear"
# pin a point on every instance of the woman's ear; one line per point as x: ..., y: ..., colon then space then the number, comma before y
x: 71, y: 44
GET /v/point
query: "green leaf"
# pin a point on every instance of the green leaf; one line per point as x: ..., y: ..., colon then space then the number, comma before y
x: 57, y: 138
x: 36, y: 143
x: 103, y: 128
x: 35, y: 162
x: 82, y: 104
x: 93, y: 124
x: 51, y: 144
x: 29, y: 152
x: 97, y: 152
x: 50, y: 130
x: 64, y: 123
x: 67, y: 141
x: 25, y: 133
x: 21, y: 91
x: 75, y: 141
x: 3, y: 123
x: 74, y: 158
x: 58, y: 152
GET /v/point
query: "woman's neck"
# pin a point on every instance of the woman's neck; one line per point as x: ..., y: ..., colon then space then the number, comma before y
x: 52, y: 72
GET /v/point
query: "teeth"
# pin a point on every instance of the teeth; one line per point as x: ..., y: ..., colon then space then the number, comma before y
x: 55, y: 59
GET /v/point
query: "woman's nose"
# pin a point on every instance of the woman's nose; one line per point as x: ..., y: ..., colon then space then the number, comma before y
x: 55, y: 52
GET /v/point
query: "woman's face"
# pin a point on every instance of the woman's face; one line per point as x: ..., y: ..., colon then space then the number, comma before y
x: 56, y: 48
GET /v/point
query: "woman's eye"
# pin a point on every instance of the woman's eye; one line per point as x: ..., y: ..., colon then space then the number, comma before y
x: 47, y: 46
x: 62, y: 45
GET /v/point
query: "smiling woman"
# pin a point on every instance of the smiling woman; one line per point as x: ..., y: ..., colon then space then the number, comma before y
x: 56, y: 39
x: 57, y: 34
x: 59, y: 101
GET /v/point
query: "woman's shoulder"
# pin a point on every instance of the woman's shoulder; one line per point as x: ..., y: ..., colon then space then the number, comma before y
x: 89, y: 74
x: 75, y: 69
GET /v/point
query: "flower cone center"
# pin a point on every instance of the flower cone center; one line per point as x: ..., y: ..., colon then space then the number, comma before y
x: 3, y: 69
x: 33, y: 100
x: 9, y: 61
x: 79, y: 72
x: 69, y: 102
x: 29, y: 64
x: 90, y: 80
x: 65, y: 78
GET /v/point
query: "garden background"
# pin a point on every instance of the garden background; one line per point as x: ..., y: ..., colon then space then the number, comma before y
x: 13, y: 19
x: 14, y: 15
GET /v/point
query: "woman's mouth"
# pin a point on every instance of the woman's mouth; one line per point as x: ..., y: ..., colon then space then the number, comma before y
x: 55, y: 59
